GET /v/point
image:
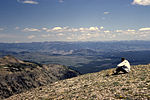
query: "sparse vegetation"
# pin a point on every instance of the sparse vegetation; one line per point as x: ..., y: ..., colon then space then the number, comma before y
x: 96, y: 86
x: 17, y: 76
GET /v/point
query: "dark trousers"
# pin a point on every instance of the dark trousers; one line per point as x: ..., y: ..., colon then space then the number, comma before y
x: 120, y: 69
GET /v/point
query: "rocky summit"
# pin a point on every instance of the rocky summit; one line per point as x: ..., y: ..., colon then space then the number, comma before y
x: 17, y: 76
x: 96, y: 86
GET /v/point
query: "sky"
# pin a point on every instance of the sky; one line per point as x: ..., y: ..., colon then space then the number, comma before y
x: 74, y: 20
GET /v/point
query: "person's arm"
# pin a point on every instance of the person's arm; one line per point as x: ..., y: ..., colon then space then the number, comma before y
x: 121, y: 64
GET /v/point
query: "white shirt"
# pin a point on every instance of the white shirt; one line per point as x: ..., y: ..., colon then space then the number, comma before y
x: 125, y: 65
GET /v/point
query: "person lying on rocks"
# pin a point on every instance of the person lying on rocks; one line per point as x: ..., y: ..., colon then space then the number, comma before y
x: 124, y: 67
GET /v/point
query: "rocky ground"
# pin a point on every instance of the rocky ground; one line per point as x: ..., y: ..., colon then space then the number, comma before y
x: 96, y: 86
x: 17, y: 76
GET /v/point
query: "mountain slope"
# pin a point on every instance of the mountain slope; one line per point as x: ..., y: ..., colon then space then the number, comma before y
x: 17, y: 76
x: 100, y: 85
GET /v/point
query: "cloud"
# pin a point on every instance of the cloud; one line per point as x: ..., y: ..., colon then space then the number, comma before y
x: 119, y: 31
x: 56, y: 28
x: 31, y: 30
x: 143, y: 35
x: 83, y: 29
x: 141, y: 2
x: 31, y: 36
x: 126, y: 32
x: 107, y: 31
x: 44, y: 28
x: 92, y: 33
x: 130, y: 30
x: 28, y: 1
x: 90, y: 29
x: 73, y: 30
x: 60, y: 34
x: 145, y: 29
x: 106, y: 13
x: 1, y: 29
x: 69, y: 38
x: 101, y: 27
x: 93, y: 29
x: 68, y: 29
x: 46, y: 35
x: 87, y: 36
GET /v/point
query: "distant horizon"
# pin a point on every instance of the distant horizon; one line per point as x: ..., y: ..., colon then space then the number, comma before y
x: 82, y: 41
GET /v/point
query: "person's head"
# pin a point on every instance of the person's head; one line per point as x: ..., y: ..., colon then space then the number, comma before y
x: 122, y: 59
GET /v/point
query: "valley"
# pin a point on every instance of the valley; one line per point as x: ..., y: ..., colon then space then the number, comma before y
x: 85, y: 57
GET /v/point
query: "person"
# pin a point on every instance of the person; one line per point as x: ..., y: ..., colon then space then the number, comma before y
x: 124, y: 66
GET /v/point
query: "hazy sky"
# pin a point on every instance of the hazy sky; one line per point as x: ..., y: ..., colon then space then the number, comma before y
x: 74, y: 20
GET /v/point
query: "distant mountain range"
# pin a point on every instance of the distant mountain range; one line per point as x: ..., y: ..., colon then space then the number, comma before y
x: 85, y: 57
x: 64, y: 47
x: 17, y: 76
